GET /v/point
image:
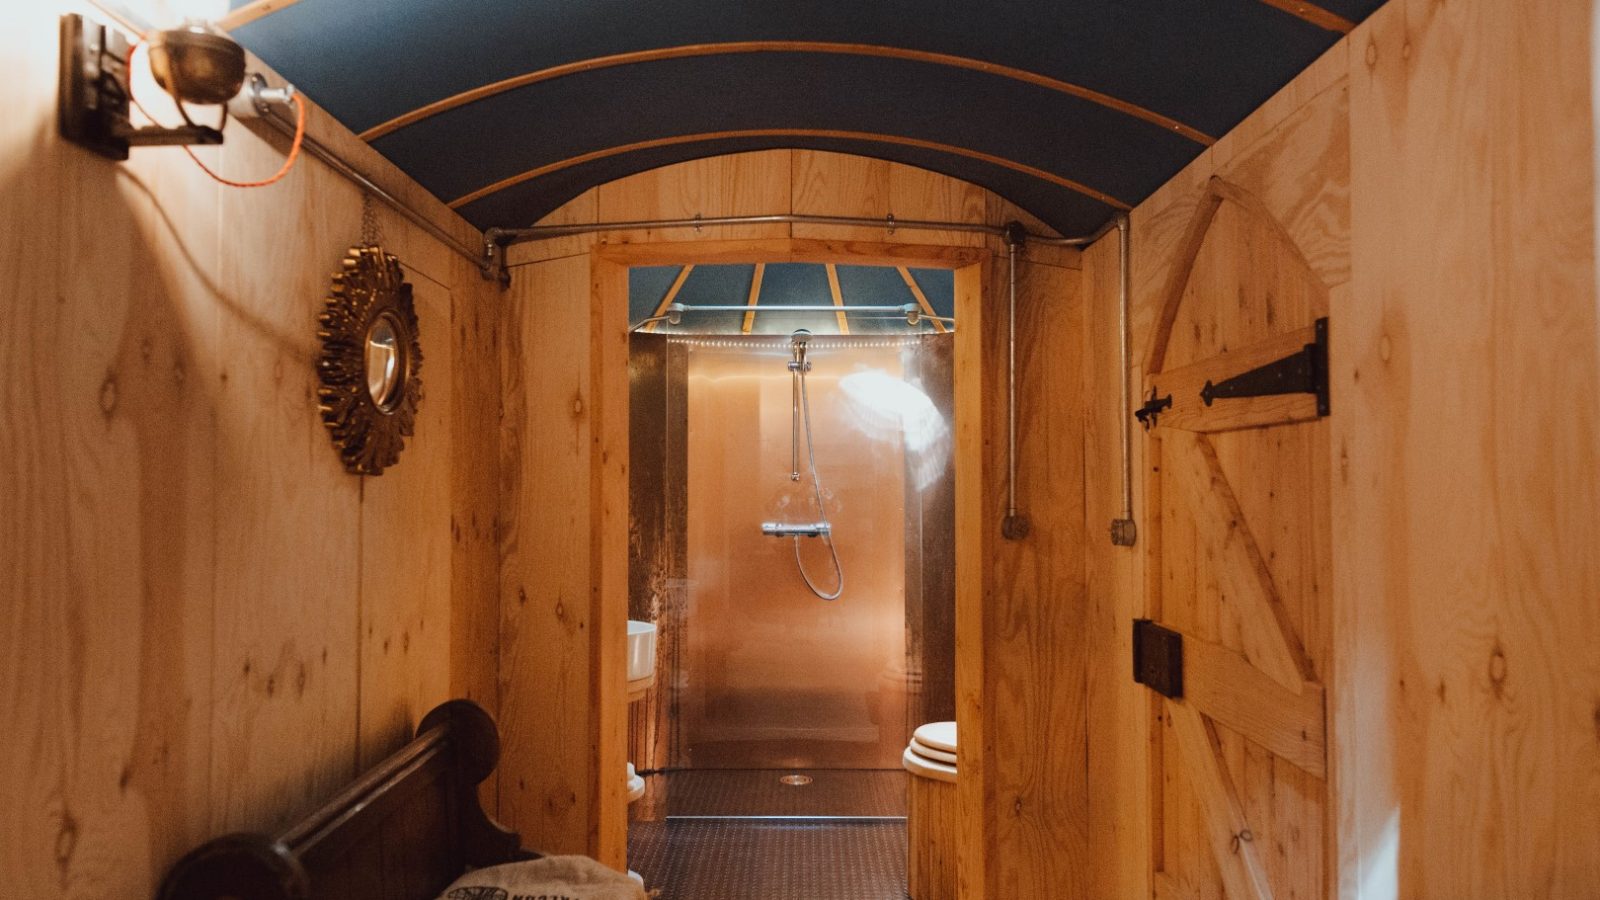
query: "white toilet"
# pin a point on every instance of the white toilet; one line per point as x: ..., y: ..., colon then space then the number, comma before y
x: 931, y: 809
x: 635, y: 784
x: 932, y: 752
x: 635, y: 791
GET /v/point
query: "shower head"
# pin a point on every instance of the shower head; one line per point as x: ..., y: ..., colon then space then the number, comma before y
x: 798, y: 341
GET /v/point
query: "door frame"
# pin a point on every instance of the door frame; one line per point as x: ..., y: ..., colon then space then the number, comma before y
x: 609, y: 265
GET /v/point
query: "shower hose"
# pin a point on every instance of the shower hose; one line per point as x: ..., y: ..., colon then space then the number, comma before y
x: 816, y: 485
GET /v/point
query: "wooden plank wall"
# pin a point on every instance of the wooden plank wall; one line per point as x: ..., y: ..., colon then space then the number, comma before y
x: 205, y: 624
x: 1436, y: 169
x: 1032, y: 699
x: 1030, y: 712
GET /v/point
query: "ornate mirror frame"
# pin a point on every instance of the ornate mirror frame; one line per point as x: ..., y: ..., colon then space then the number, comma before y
x: 371, y: 362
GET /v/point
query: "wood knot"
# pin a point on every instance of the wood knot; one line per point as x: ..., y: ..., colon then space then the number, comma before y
x: 66, y: 840
x: 1497, y: 670
x: 108, y: 395
x: 1372, y: 53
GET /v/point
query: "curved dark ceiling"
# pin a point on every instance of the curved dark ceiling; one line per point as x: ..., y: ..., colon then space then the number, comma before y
x: 1071, y: 109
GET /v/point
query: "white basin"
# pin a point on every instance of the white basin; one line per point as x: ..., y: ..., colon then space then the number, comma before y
x: 641, y: 650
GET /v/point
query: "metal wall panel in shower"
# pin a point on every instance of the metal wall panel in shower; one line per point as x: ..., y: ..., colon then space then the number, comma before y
x: 756, y: 671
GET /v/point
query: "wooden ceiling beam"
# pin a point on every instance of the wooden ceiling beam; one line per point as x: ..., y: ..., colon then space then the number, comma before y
x: 250, y: 12
x: 838, y: 297
x: 1314, y: 14
x: 755, y: 297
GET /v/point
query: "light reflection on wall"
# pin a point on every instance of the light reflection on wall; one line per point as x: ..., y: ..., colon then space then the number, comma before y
x: 886, y: 408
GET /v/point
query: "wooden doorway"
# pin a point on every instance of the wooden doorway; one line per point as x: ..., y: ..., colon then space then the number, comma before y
x: 609, y: 265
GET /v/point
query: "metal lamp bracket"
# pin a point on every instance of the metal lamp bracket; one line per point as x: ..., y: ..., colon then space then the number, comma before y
x: 93, y: 108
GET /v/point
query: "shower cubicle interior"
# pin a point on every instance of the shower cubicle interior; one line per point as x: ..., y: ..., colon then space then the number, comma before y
x: 761, y: 682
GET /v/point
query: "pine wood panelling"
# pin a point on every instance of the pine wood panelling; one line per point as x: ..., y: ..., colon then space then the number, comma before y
x: 919, y: 194
x: 789, y: 250
x: 287, y: 608
x: 475, y: 500
x: 1467, y: 475
x: 1447, y: 206
x: 1196, y: 242
x: 1118, y: 709
x: 819, y: 183
x: 1225, y: 686
x: 182, y: 555
x: 1238, y: 570
x: 932, y: 817
x: 608, y: 501
x: 1217, y: 580
x: 106, y: 476
x: 549, y: 768
x: 838, y: 184
x: 975, y: 540
x: 1029, y: 685
x: 406, y: 554
x: 739, y: 184
x: 1228, y: 832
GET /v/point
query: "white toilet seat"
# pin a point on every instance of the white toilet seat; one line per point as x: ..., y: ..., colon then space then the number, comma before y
x: 927, y: 768
x: 926, y: 752
x: 635, y: 784
x: 937, y: 736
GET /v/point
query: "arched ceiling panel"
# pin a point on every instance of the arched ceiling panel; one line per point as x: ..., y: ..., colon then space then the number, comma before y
x: 536, y: 126
x: 419, y: 52
x: 1113, y: 94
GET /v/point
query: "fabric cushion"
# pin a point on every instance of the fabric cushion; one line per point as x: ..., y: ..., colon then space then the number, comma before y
x: 550, y: 878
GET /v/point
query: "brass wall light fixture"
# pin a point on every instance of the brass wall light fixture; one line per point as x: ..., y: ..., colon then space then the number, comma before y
x: 194, y: 64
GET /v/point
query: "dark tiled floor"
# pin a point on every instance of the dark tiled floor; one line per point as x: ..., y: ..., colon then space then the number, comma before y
x: 771, y: 859
x: 758, y: 792
x: 741, y: 834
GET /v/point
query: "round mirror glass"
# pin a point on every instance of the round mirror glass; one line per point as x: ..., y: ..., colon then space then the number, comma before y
x: 385, y: 374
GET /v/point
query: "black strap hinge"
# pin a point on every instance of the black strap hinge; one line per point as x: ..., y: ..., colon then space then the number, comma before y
x: 1303, y: 372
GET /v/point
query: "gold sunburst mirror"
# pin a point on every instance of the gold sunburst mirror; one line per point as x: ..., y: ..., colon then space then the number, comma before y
x: 371, y: 361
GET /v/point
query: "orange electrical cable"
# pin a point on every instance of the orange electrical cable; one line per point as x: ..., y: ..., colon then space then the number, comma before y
x: 288, y: 162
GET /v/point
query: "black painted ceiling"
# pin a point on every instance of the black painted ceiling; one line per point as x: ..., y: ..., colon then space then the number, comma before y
x: 1071, y: 109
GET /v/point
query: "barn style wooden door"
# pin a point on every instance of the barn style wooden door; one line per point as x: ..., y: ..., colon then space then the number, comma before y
x: 1238, y: 546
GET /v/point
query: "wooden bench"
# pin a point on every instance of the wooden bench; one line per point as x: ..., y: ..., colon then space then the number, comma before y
x: 402, y: 831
